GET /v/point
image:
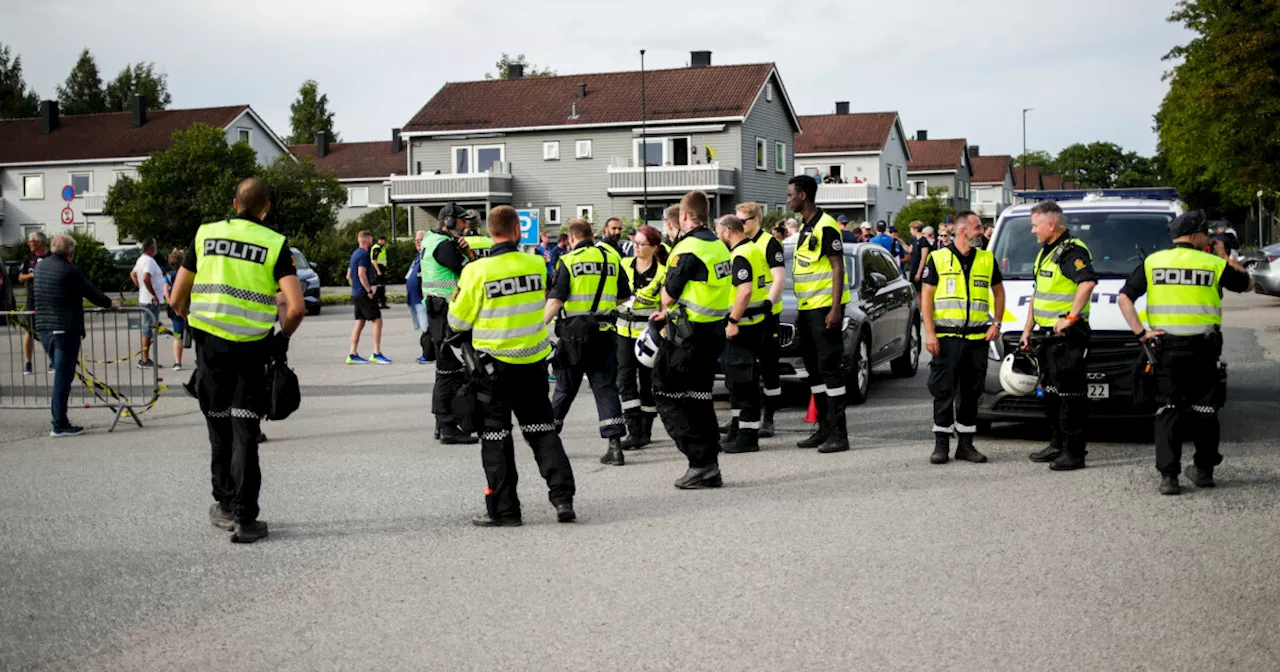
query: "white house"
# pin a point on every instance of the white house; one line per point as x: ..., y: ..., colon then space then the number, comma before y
x: 860, y: 161
x: 89, y: 152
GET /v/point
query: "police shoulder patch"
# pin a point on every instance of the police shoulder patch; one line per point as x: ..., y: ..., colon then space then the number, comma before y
x: 1079, y: 264
x: 837, y: 245
x: 743, y: 274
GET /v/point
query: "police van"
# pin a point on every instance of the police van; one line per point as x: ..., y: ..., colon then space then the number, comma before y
x: 1120, y: 233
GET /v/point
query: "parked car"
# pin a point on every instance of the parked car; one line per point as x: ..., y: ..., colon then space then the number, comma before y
x: 881, y: 320
x: 309, y: 278
x: 1265, y: 269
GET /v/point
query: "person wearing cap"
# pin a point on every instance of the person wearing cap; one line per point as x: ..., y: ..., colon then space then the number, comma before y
x: 480, y: 245
x: 882, y: 237
x: 864, y: 232
x: 1184, y: 287
x: 444, y: 252
x: 846, y: 235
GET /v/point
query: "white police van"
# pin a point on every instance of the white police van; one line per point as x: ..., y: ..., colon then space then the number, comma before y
x: 1120, y: 233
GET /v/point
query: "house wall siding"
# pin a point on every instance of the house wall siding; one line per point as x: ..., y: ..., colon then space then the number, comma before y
x: 891, y: 201
x: 769, y: 120
x: 259, y: 139
x: 377, y: 199
x: 47, y: 211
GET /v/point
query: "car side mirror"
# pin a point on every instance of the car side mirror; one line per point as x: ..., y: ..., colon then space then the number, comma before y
x: 878, y: 280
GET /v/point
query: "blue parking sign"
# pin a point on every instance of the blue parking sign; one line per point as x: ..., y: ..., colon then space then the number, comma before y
x: 528, y: 227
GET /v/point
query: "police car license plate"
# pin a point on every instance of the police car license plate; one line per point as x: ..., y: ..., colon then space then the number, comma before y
x: 1099, y: 390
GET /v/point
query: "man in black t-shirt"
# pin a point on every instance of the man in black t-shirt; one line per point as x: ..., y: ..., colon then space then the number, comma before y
x: 920, y: 248
x: 38, y: 243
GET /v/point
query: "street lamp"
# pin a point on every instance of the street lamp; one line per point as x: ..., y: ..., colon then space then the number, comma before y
x: 1025, y: 110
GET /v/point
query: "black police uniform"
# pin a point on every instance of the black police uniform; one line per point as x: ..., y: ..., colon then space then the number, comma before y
x: 380, y: 282
x: 741, y: 374
x: 769, y: 352
x: 451, y: 375
x: 635, y: 382
x: 822, y: 349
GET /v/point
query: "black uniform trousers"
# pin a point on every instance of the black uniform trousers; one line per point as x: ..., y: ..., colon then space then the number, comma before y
x: 635, y: 381
x: 231, y: 385
x: 684, y: 394
x: 823, y: 351
x: 768, y: 354
x: 380, y: 288
x: 742, y: 376
x: 451, y: 375
x: 520, y: 389
x: 1186, y: 401
x: 1063, y: 375
x: 600, y: 365
x: 955, y: 381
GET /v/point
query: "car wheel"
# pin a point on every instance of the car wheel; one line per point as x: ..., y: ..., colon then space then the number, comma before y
x: 906, y: 365
x: 858, y: 367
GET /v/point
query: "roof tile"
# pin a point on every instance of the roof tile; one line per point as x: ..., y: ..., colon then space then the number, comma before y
x: 936, y: 154
x: 862, y: 132
x: 353, y: 160
x: 103, y: 136
x: 990, y: 169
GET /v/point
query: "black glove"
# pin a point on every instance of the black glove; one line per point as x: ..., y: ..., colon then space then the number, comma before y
x: 279, y: 346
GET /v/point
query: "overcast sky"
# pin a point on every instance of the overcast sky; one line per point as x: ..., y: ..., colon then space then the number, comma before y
x: 1091, y: 69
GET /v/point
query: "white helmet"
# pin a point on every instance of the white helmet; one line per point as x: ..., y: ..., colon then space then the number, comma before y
x: 647, y: 346
x: 1019, y: 373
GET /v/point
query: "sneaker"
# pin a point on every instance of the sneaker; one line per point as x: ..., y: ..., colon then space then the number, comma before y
x: 356, y: 359
x: 177, y: 367
x: 551, y: 377
x: 49, y: 370
x: 247, y: 533
x: 220, y: 517
x: 143, y: 365
x: 26, y: 369
x: 379, y: 358
x: 421, y: 360
x: 64, y: 432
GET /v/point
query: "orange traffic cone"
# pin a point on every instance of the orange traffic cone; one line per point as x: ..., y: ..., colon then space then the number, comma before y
x: 812, y: 415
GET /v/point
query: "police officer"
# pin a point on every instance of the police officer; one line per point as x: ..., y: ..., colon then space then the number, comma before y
x: 379, y: 256
x: 1064, y: 286
x: 444, y: 252
x: 744, y: 332
x: 479, y: 244
x: 821, y: 293
x: 696, y: 299
x: 962, y: 290
x: 230, y: 276
x: 588, y: 271
x: 770, y: 351
x: 500, y: 304
x: 1184, y: 308
x: 646, y: 272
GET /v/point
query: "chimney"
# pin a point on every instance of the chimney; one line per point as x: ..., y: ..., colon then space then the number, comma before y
x: 139, y: 111
x: 973, y: 151
x: 922, y: 135
x: 699, y: 59
x: 582, y: 91
x: 48, y: 115
x: 322, y: 144
x: 842, y: 107
x: 396, y: 143
x: 515, y: 71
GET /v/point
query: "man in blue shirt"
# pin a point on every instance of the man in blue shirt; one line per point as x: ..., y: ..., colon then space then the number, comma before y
x: 417, y: 308
x: 360, y: 276
x: 881, y: 238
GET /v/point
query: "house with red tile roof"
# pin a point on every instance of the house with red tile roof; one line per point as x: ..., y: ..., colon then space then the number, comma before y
x: 363, y: 168
x: 42, y: 155
x: 859, y: 159
x: 992, y: 189
x: 940, y: 163
x: 582, y: 146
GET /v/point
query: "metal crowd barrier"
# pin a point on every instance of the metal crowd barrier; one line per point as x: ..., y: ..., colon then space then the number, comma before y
x: 107, y: 373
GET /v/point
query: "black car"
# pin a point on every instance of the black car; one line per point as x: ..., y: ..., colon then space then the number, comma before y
x: 881, y: 320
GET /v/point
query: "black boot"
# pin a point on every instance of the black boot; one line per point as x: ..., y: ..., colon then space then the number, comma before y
x: 564, y: 512
x: 451, y: 434
x: 728, y: 424
x: 747, y: 441
x: 1047, y: 454
x: 941, y: 448
x: 817, y: 438
x: 1067, y: 462
x: 697, y: 478
x: 614, y: 454
x: 646, y: 428
x: 247, y: 532
x: 731, y: 433
x: 766, y: 425
x: 635, y: 433
x: 837, y: 436
x: 1202, y: 478
x: 1169, y: 484
x: 965, y: 451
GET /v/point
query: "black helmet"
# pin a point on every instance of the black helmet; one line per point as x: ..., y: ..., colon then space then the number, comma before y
x: 1189, y: 223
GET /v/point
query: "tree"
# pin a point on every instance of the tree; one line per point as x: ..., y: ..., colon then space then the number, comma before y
x: 1035, y: 157
x: 139, y: 79
x: 310, y: 114
x: 304, y: 200
x: 931, y: 210
x: 97, y: 263
x: 1216, y: 124
x: 179, y: 189
x: 504, y: 66
x: 82, y: 93
x: 1140, y: 171
x: 1096, y: 165
x: 17, y: 100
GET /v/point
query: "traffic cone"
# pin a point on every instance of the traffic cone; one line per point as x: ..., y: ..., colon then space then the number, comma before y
x: 812, y: 415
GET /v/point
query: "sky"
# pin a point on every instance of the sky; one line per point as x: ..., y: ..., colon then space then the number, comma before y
x: 1090, y: 69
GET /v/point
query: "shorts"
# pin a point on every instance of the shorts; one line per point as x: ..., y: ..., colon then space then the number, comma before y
x: 366, y: 308
x: 150, y: 318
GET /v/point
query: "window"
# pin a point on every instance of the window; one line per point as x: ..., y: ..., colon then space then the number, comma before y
x: 782, y: 207
x: 33, y: 186
x: 357, y: 197
x: 244, y: 135
x: 660, y: 151
x: 486, y: 156
x: 551, y: 151
x: 762, y: 148
x: 469, y: 159
x: 899, y: 178
x: 584, y: 212
x: 28, y: 229
x: 82, y: 183
x: 553, y: 214
x: 918, y: 188
x: 461, y: 160
x: 780, y: 157
x: 118, y: 175
x: 768, y: 92
x: 582, y: 149
x: 386, y: 194
x: 836, y: 171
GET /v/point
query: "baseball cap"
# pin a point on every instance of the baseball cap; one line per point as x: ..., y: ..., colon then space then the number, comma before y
x: 842, y: 219
x: 865, y: 226
x: 927, y: 230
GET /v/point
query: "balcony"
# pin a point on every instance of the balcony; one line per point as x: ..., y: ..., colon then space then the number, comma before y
x: 493, y: 187
x: 91, y: 204
x: 991, y: 210
x: 843, y: 194
x: 709, y: 177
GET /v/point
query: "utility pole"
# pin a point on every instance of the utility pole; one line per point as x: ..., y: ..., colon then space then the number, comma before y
x: 644, y: 148
x: 1025, y: 110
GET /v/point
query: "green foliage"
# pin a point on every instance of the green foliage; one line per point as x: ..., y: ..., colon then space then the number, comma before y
x: 82, y: 93
x: 1217, y: 122
x: 932, y: 210
x: 17, y: 100
x: 304, y: 200
x: 504, y: 64
x: 310, y: 114
x: 97, y: 264
x: 1035, y: 157
x: 138, y: 79
x: 179, y: 189
x: 772, y: 218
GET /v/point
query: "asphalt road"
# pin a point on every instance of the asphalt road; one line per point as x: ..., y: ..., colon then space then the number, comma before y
x: 869, y: 560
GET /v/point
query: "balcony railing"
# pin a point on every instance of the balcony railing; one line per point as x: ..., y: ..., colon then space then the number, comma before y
x: 91, y: 204
x: 836, y: 194
x: 710, y: 177
x: 489, y: 186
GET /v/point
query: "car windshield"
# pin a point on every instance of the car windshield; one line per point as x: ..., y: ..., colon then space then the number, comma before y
x: 1118, y: 241
x: 300, y: 261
